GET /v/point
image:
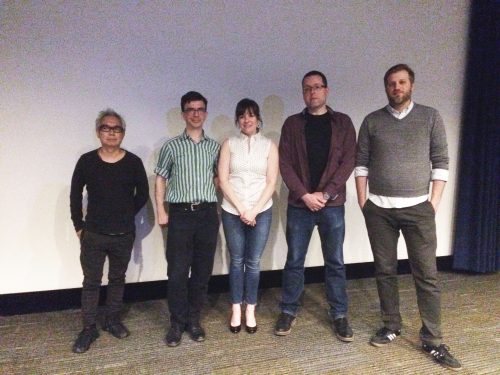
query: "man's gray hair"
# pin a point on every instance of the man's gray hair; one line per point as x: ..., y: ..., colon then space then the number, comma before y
x: 109, y: 112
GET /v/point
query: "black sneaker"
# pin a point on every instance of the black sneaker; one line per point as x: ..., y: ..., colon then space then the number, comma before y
x: 174, y: 335
x: 196, y: 332
x: 284, y: 324
x: 116, y: 328
x: 442, y: 356
x: 86, y: 337
x: 342, y: 330
x: 384, y: 336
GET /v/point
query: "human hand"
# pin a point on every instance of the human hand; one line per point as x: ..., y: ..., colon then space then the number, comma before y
x: 248, y: 217
x: 162, y: 218
x: 314, y: 201
x: 435, y: 205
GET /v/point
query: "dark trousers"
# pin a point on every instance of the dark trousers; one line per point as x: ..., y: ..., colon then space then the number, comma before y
x: 94, y: 249
x: 191, y: 242
x: 417, y: 223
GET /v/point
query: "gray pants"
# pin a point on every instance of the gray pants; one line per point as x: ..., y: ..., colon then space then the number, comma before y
x: 417, y: 223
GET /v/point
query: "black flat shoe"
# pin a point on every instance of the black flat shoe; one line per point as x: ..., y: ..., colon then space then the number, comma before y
x: 251, y: 329
x: 236, y: 329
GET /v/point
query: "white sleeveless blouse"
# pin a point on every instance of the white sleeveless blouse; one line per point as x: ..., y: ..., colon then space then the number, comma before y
x: 248, y: 170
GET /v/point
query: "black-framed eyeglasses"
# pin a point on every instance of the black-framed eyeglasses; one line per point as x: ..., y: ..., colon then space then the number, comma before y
x: 111, y: 129
x: 309, y: 89
x: 192, y: 111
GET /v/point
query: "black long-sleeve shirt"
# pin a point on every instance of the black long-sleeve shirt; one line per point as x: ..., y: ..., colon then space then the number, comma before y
x: 116, y: 192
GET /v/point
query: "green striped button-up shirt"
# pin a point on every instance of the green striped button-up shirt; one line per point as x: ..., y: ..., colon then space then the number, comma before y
x: 189, y: 168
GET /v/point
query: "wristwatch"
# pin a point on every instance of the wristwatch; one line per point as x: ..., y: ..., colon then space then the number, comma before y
x: 326, y: 196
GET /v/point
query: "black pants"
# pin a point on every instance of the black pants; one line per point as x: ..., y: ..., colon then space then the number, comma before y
x: 191, y: 242
x: 94, y: 249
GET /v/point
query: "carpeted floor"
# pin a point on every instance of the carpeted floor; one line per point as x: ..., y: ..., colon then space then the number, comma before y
x: 41, y: 343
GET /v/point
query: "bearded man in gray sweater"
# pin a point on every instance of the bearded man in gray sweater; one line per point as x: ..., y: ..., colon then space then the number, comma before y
x: 401, y: 148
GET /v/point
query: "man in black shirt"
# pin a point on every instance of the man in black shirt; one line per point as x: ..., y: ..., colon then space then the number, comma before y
x: 316, y: 153
x: 117, y: 189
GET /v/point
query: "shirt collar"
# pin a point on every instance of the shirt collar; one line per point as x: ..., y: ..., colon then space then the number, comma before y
x: 185, y: 136
x: 255, y: 137
x: 328, y: 109
x: 401, y: 114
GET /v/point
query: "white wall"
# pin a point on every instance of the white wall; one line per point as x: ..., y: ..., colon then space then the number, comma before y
x: 62, y: 62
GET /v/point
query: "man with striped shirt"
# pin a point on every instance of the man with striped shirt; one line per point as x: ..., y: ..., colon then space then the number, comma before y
x: 189, y: 163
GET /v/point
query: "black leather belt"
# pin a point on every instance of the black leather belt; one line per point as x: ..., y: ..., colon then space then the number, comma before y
x: 192, y: 207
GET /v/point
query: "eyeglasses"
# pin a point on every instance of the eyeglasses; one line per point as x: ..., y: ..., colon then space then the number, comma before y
x: 192, y: 111
x: 111, y: 129
x: 309, y: 89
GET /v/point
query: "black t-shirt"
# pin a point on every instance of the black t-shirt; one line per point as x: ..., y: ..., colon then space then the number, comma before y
x: 318, y: 131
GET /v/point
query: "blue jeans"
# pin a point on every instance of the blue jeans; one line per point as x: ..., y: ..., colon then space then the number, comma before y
x: 245, y: 244
x: 299, y: 228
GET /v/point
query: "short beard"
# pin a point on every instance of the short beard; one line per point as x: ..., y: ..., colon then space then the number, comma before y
x: 397, y: 101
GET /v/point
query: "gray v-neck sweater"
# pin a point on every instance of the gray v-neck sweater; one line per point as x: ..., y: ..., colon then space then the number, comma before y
x: 400, y: 154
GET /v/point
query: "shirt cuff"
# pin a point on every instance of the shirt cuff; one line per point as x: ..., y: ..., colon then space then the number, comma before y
x: 162, y: 172
x: 440, y: 174
x: 361, y: 172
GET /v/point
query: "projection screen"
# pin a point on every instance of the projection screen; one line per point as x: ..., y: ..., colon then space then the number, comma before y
x: 61, y: 62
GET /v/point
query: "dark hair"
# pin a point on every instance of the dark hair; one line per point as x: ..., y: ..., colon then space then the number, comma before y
x: 247, y: 105
x: 109, y: 112
x: 315, y: 73
x: 192, y: 96
x: 398, y: 68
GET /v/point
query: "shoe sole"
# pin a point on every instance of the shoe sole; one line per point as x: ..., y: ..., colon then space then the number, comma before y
x: 173, y: 344
x: 285, y: 333
x: 344, y: 339
x: 84, y: 351
x: 200, y: 339
x: 443, y: 364
x: 118, y: 337
x: 379, y: 344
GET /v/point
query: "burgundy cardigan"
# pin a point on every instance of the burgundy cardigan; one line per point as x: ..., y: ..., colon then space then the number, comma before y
x: 294, y: 166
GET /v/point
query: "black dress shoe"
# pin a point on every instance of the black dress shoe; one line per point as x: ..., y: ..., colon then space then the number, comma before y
x: 196, y: 332
x: 342, y: 330
x: 174, y: 335
x: 251, y: 329
x: 284, y: 324
x: 86, y: 337
x: 116, y: 328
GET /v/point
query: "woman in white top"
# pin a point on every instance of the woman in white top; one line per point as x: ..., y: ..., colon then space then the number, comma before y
x: 248, y: 169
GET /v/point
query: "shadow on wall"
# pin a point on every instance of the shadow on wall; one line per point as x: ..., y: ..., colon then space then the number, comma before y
x: 67, y: 243
x: 175, y: 127
x: 144, y: 224
x: 273, y: 117
x: 222, y: 127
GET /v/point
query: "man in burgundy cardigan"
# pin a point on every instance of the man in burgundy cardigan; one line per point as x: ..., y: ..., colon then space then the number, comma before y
x: 317, y: 156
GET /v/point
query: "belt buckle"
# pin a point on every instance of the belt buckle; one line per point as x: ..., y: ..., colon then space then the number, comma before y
x: 194, y: 206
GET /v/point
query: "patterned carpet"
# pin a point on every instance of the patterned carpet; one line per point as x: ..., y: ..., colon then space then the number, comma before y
x: 41, y: 343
